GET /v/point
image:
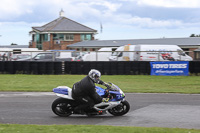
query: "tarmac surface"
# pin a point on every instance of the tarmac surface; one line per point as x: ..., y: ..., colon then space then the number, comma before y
x: 147, y: 110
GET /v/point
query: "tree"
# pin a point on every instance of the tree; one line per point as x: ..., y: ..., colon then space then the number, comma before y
x: 193, y: 35
x: 13, y: 44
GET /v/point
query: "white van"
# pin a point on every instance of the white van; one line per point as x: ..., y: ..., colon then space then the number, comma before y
x: 101, y: 55
x: 160, y: 53
x: 62, y: 54
x: 120, y: 53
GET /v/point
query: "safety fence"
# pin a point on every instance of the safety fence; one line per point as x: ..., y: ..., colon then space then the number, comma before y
x: 71, y: 55
x: 78, y: 67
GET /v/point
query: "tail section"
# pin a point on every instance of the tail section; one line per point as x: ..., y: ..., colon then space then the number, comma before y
x: 64, y: 92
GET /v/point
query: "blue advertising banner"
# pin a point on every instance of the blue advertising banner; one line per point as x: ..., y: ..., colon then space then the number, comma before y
x: 170, y: 68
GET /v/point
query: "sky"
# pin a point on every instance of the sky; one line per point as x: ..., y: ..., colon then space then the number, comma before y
x: 120, y: 19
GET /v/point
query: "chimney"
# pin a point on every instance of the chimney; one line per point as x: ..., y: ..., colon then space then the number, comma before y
x: 62, y: 14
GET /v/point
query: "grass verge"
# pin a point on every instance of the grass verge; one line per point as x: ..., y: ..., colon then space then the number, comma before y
x: 14, y: 128
x: 128, y: 83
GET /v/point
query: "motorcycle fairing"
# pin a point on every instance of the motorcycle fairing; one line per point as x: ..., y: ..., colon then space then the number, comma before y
x: 100, y: 91
x: 118, y: 96
x: 108, y: 105
x: 63, y: 91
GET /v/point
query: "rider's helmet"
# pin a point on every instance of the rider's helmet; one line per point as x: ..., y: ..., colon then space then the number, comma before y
x: 95, y: 75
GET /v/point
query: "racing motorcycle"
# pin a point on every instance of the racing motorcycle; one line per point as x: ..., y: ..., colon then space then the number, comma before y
x: 65, y: 104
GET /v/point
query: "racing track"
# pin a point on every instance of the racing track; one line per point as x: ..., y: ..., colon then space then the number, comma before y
x: 147, y: 110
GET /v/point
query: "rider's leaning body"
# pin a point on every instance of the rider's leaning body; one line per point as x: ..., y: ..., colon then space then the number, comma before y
x: 85, y: 93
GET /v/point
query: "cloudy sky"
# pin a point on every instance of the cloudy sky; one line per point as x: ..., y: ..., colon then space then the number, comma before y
x: 121, y: 19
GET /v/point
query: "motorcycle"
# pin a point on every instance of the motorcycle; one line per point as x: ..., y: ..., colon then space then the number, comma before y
x: 117, y: 105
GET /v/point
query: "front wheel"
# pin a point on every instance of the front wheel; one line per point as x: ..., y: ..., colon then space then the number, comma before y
x: 121, y: 109
x: 62, y: 107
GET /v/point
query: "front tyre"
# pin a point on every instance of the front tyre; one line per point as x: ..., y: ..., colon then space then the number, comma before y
x: 121, y: 109
x: 62, y: 107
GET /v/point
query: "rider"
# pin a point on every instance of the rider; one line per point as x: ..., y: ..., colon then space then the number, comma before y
x: 85, y: 93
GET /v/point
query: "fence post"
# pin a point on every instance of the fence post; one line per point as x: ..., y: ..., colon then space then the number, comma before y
x: 159, y: 55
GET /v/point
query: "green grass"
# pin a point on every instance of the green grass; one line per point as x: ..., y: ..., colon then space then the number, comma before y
x: 7, y: 128
x: 128, y: 83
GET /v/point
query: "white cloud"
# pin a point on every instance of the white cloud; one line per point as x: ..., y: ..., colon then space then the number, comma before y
x: 10, y: 9
x: 86, y: 9
x: 143, y: 22
x: 171, y: 3
x: 113, y: 14
x: 109, y: 5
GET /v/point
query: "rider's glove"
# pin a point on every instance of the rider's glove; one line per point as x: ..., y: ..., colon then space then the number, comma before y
x: 100, y: 82
x: 105, y: 99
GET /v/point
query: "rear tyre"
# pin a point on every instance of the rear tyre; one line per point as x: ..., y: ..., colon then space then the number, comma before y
x: 121, y: 109
x: 62, y: 107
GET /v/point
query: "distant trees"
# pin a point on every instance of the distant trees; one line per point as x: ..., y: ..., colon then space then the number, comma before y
x: 193, y: 35
x: 13, y: 44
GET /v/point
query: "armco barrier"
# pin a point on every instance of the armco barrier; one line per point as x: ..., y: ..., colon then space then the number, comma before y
x: 73, y: 67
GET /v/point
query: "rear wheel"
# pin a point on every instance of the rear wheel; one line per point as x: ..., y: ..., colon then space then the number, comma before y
x: 62, y: 107
x: 121, y: 109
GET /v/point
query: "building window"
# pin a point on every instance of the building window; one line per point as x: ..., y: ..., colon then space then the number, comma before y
x: 58, y: 37
x: 34, y: 38
x: 197, y: 55
x: 86, y: 37
x: 186, y: 50
x: 69, y: 37
x: 45, y: 37
x: 61, y: 37
x: 39, y: 46
x: 55, y: 36
x: 38, y: 38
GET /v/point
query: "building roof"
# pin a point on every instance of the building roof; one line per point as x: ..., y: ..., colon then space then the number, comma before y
x: 63, y: 24
x: 189, y: 41
x: 14, y: 46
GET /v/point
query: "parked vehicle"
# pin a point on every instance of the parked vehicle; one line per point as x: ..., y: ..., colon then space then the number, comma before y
x: 16, y: 57
x: 120, y: 53
x: 149, y: 53
x: 62, y: 54
x: 7, y: 54
x: 47, y: 56
x: 160, y: 53
x: 117, y: 105
x: 100, y: 55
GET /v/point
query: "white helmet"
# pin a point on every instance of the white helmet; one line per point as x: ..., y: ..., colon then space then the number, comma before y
x: 95, y: 75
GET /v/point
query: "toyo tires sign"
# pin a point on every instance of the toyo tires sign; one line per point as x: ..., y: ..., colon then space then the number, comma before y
x: 170, y: 68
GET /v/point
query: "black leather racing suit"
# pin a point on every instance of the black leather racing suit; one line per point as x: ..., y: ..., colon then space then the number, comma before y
x: 85, y: 93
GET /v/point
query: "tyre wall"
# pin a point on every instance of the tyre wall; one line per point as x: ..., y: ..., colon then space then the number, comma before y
x: 73, y: 67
